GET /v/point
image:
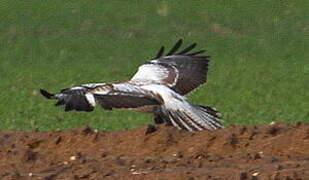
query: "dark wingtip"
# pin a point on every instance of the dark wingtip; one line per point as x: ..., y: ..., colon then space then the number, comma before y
x: 175, y: 47
x: 187, y: 49
x: 160, y: 53
x: 46, y: 94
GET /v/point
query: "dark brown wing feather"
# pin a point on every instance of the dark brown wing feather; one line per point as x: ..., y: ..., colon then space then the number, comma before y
x: 192, y: 72
x: 124, y: 101
x: 71, y: 99
x: 125, y: 96
x: 183, y: 71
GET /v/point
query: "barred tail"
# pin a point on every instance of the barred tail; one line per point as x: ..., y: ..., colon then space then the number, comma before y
x: 193, y: 118
x: 210, y: 116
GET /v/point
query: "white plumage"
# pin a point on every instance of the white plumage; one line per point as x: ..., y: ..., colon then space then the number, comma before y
x: 158, y: 87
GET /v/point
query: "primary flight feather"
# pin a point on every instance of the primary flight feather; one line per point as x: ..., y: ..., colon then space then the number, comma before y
x: 159, y: 87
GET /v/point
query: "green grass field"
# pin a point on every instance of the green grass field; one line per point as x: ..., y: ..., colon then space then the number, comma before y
x: 259, y: 68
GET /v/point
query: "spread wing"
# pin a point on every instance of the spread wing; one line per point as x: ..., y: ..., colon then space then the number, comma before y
x: 125, y: 96
x: 109, y: 96
x: 182, y: 71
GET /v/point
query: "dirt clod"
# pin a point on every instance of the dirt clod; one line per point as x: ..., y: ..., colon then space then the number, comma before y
x: 150, y: 129
x: 29, y: 156
x: 86, y: 130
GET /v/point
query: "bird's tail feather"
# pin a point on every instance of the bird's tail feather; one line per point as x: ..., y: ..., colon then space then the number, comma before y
x: 194, y: 118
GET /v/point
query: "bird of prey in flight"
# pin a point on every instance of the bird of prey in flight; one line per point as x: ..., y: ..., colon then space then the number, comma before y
x: 159, y: 87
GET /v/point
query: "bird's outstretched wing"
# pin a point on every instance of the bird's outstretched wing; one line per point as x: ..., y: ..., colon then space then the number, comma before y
x: 182, y: 71
x: 124, y: 96
x: 109, y: 96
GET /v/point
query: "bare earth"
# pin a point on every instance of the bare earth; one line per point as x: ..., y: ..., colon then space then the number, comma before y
x: 270, y: 152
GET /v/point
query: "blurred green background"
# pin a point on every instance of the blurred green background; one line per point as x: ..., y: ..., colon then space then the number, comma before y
x: 259, y: 67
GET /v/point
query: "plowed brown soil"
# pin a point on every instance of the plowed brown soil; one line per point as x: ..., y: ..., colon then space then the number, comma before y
x: 274, y: 152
